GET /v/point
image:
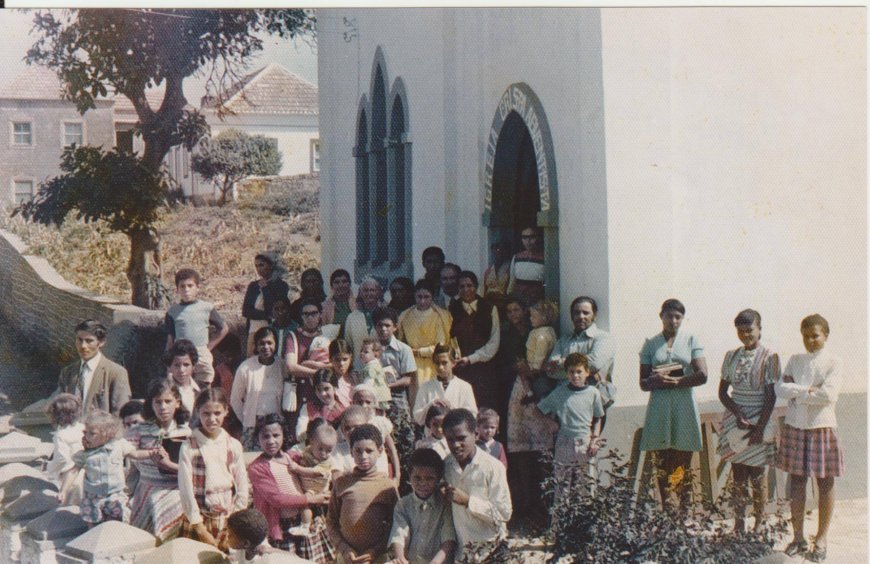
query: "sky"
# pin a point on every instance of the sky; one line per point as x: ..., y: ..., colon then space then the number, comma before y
x: 15, y: 40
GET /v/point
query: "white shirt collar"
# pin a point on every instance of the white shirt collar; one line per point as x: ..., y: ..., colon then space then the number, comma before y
x: 93, y: 362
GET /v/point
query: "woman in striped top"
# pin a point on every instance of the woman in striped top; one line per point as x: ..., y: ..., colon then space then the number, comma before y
x: 751, y: 372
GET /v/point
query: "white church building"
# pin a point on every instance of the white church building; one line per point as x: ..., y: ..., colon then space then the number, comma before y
x: 715, y: 155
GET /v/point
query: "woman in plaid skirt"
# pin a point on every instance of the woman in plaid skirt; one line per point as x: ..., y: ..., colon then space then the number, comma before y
x: 809, y: 444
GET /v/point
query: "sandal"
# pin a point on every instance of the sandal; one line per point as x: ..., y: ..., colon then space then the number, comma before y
x: 817, y: 554
x: 797, y: 547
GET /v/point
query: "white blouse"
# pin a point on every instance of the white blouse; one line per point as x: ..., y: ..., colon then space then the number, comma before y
x: 814, y: 409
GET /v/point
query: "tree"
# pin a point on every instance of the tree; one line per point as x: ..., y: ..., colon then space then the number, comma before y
x: 126, y: 52
x: 233, y: 155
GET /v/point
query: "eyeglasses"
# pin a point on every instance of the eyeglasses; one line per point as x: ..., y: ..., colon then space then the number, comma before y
x: 310, y: 313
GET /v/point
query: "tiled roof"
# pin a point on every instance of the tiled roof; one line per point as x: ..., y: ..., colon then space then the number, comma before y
x: 35, y: 83
x: 123, y: 105
x: 270, y: 90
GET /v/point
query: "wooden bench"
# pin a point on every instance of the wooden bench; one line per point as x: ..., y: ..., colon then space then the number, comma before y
x: 713, y: 472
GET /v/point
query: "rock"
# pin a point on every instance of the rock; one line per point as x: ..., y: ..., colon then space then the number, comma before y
x: 183, y: 550
x: 110, y: 541
x: 62, y: 522
x: 50, y: 532
x: 17, y: 469
x: 19, y: 447
x: 30, y: 506
x: 14, y: 488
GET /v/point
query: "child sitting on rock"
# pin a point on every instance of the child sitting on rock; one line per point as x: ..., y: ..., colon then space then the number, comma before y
x: 104, y: 497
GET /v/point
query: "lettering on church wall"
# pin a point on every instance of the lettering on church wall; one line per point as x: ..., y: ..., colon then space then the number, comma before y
x: 517, y: 99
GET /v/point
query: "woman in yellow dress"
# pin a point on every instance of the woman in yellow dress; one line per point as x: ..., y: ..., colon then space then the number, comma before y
x: 423, y: 326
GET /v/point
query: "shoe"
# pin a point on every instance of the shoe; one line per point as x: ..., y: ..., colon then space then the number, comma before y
x: 796, y: 547
x: 817, y: 554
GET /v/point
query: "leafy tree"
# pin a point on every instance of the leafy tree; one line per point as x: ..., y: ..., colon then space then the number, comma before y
x: 233, y: 155
x: 98, y: 52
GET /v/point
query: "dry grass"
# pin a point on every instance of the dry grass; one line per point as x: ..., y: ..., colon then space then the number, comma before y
x: 220, y: 243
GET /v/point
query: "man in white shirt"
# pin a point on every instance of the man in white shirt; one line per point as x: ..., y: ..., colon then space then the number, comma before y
x: 96, y: 380
x: 446, y: 389
x: 476, y: 485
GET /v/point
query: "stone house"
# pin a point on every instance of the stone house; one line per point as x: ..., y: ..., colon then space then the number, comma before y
x: 38, y: 126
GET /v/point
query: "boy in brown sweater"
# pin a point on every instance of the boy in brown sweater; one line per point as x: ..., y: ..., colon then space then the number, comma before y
x: 362, y: 502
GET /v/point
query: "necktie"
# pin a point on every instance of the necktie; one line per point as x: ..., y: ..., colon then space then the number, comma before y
x: 82, y: 371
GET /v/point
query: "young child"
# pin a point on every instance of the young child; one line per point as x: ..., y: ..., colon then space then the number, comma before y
x: 809, y: 444
x: 434, y: 438
x: 396, y: 357
x: 353, y: 417
x: 361, y: 507
x: 539, y: 345
x: 324, y: 405
x: 247, y: 530
x: 423, y: 521
x: 211, y: 472
x: 279, y: 496
x: 341, y: 361
x: 64, y: 412
x: 156, y: 503
x: 373, y: 371
x: 131, y: 413
x: 487, y: 427
x: 103, y: 496
x: 258, y: 386
x: 578, y: 409
x: 446, y: 389
x: 476, y: 486
x: 364, y: 396
x: 180, y: 360
x: 190, y: 319
x: 314, y: 468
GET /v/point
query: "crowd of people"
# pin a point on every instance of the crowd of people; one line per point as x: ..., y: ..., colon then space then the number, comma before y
x: 339, y: 395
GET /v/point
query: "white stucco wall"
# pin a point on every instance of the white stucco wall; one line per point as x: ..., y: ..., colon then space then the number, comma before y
x: 714, y: 155
x: 481, y: 53
x: 736, y: 172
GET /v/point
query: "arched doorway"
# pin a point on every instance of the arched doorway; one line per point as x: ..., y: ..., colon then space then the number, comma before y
x: 520, y: 178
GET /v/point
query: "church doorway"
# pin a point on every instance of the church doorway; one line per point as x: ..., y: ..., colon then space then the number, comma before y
x: 520, y: 179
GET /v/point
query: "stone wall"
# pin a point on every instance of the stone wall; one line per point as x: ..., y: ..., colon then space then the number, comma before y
x: 43, y: 308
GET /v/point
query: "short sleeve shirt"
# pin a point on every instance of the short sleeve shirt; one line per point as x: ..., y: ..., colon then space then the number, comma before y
x: 191, y: 321
x: 399, y: 355
x: 575, y: 408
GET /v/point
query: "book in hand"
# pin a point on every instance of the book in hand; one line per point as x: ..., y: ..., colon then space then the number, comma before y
x: 172, y: 446
x: 672, y: 369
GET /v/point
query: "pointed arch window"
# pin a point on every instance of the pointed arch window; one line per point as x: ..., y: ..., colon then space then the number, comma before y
x: 383, y: 179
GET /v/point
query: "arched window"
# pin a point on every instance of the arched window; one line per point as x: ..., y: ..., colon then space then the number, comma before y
x: 360, y: 153
x: 399, y: 180
x: 383, y: 179
x: 378, y: 173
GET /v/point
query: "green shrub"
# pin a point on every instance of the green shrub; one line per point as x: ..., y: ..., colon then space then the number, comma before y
x: 616, y: 525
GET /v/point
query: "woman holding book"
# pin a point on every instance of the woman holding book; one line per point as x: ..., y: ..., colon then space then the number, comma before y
x: 671, y: 364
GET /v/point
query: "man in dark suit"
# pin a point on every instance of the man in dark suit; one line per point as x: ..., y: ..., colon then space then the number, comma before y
x: 96, y: 380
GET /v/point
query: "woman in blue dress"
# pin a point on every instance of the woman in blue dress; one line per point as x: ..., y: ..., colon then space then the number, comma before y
x: 671, y: 364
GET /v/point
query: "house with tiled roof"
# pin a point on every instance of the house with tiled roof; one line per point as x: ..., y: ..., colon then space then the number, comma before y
x: 274, y: 102
x: 39, y: 124
x: 270, y: 101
